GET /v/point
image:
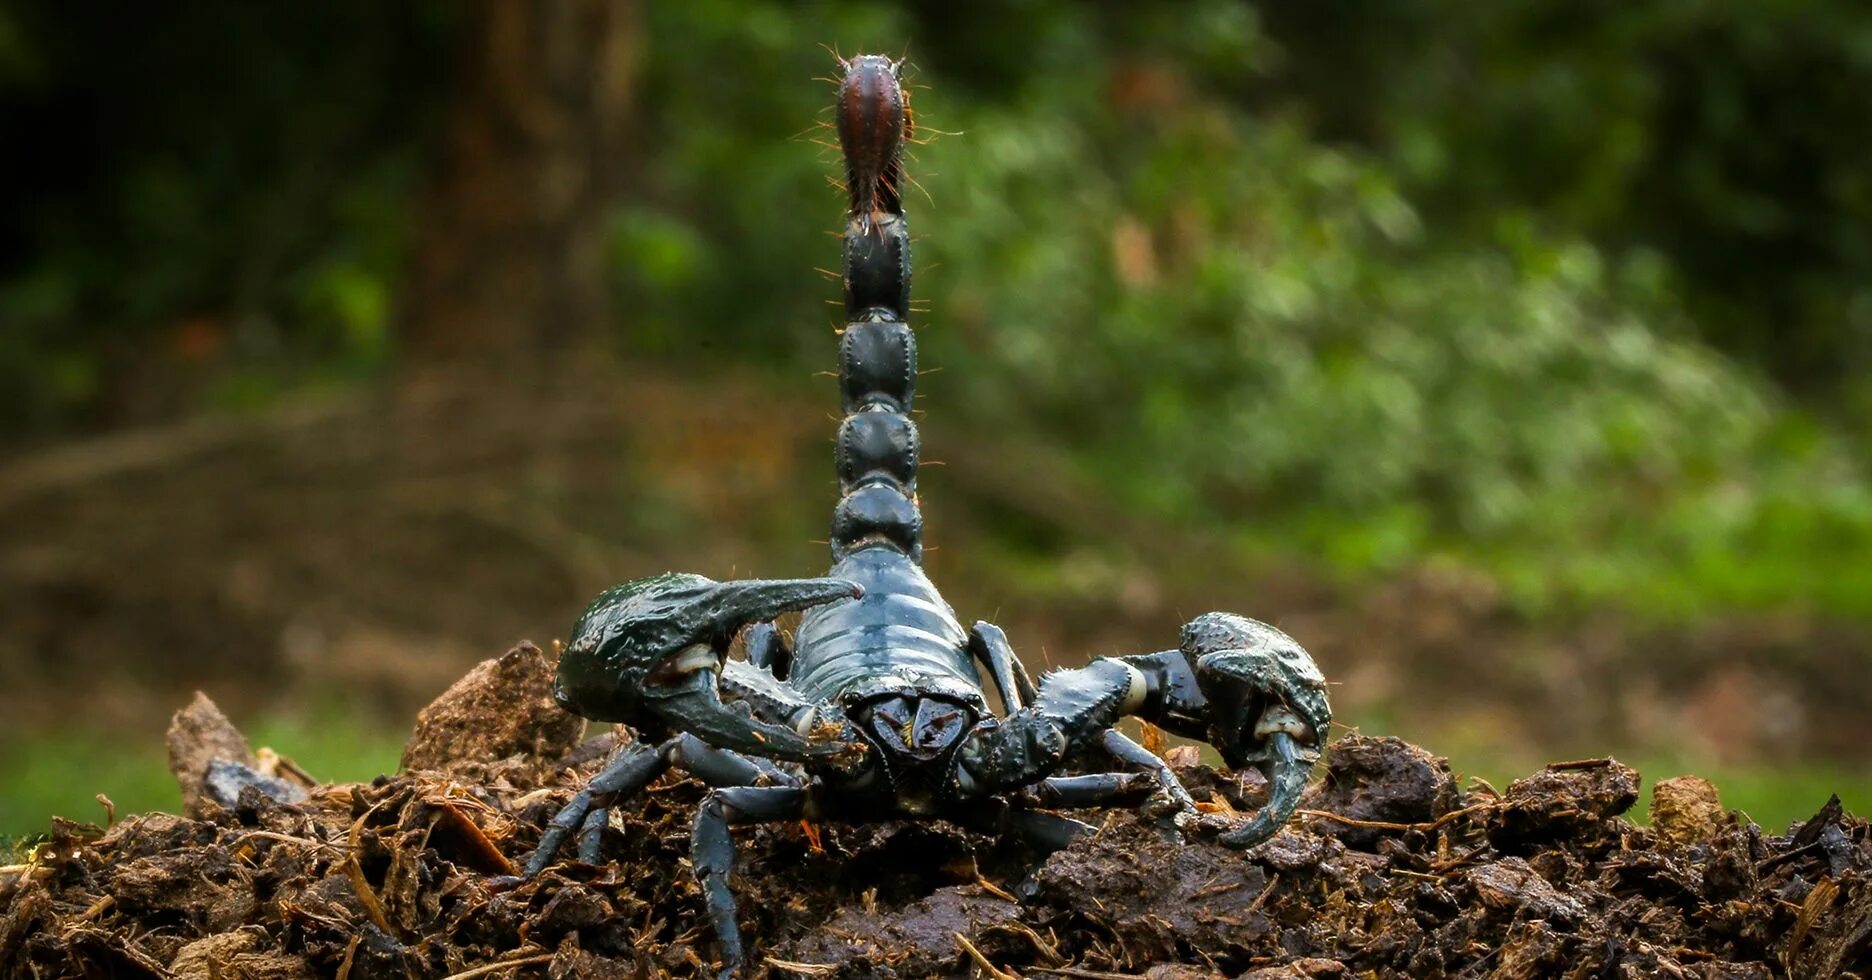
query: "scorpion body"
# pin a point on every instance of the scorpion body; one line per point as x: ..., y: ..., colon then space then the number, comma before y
x: 878, y: 708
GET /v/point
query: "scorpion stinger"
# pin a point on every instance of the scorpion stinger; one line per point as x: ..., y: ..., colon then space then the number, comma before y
x: 877, y: 709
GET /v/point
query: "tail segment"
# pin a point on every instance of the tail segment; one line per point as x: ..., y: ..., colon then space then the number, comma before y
x: 877, y: 441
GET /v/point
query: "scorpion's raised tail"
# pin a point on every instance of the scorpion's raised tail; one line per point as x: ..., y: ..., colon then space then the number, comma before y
x: 877, y: 441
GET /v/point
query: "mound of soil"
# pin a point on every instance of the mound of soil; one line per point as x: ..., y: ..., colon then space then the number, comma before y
x: 1393, y: 869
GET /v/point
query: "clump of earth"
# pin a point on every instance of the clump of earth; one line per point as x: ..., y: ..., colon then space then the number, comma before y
x: 1392, y: 869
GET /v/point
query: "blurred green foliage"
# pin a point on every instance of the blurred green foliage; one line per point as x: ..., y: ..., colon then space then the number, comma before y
x: 1720, y: 134
x: 330, y: 740
x: 1575, y: 294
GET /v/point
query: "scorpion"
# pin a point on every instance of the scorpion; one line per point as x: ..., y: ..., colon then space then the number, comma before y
x: 876, y: 709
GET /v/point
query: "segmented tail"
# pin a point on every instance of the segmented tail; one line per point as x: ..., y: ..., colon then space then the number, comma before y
x: 877, y: 441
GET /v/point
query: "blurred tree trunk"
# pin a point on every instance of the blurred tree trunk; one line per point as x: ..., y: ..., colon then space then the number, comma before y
x: 509, y: 256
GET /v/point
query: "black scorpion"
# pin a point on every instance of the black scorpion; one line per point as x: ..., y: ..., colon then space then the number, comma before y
x: 877, y: 710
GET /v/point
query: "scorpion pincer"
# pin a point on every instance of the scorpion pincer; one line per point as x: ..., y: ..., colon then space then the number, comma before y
x: 876, y: 709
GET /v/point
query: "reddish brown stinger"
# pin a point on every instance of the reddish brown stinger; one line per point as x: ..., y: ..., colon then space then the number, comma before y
x: 874, y: 122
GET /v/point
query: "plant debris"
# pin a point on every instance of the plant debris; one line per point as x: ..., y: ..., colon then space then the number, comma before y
x: 1393, y: 870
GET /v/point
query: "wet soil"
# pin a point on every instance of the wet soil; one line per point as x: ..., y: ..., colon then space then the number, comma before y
x: 1392, y: 869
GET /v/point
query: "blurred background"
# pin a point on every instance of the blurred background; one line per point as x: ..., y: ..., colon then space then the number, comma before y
x: 1514, y: 357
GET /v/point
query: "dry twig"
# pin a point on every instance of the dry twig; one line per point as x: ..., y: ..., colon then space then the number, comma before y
x: 982, y: 961
x: 481, y: 971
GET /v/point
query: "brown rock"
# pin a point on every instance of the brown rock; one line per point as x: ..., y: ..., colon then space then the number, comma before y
x: 1569, y: 801
x: 917, y: 939
x: 198, y: 735
x: 503, y: 707
x: 1382, y: 779
x: 1531, y: 952
x: 1686, y: 810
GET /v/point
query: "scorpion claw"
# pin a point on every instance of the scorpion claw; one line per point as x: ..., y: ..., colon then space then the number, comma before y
x: 1286, y: 766
x: 1257, y: 681
x: 1266, y: 706
x: 652, y: 652
x: 729, y: 606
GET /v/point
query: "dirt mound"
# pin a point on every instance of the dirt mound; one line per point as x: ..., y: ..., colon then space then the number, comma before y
x: 1391, y: 870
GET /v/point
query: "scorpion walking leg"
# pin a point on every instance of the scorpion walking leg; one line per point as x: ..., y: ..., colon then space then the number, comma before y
x: 591, y: 835
x: 1045, y: 832
x: 712, y: 851
x: 721, y: 767
x: 991, y: 647
x: 1156, y: 790
x: 716, y: 767
x: 628, y: 772
x: 1170, y: 789
x: 767, y: 648
x: 632, y: 770
x: 1091, y: 789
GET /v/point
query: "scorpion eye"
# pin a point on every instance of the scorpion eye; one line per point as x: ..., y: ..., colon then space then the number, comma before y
x: 936, y: 728
x: 892, y: 720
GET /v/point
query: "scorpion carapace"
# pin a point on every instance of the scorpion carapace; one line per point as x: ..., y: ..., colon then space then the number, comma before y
x: 877, y: 709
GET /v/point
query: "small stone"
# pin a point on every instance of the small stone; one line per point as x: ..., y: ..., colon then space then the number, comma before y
x: 1307, y: 967
x: 234, y: 954
x: 1686, y: 810
x: 917, y: 939
x: 1292, y: 851
x: 1180, y: 971
x: 226, y: 779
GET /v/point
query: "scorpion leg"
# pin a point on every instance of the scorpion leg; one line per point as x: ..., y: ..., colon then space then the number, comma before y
x: 1156, y: 784
x: 630, y: 771
x: 1040, y: 829
x: 721, y: 767
x: 767, y: 647
x: 1091, y: 789
x: 591, y: 835
x: 712, y: 851
x: 1243, y: 686
x: 1047, y: 832
x: 990, y: 645
x: 1156, y: 790
x: 1171, y: 799
x: 627, y: 772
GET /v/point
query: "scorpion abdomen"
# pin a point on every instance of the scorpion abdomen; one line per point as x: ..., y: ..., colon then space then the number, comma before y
x: 901, y: 626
